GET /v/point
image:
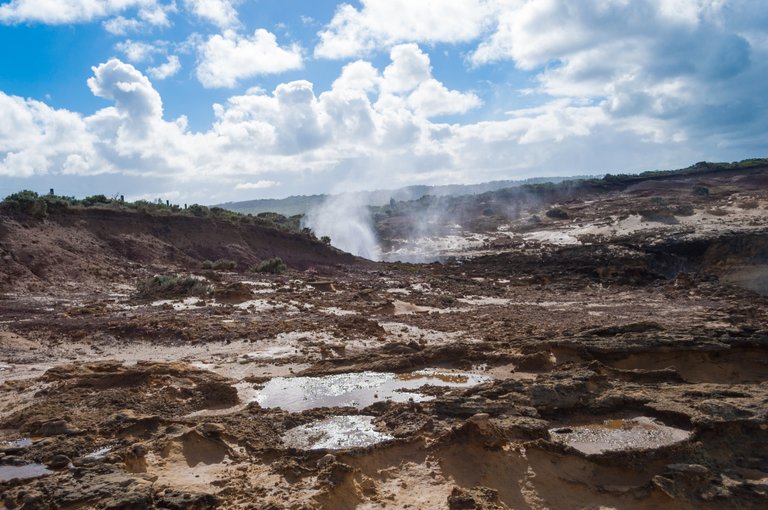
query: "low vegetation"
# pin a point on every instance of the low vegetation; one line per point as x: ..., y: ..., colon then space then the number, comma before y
x: 220, y: 265
x: 31, y: 204
x: 272, y: 266
x: 171, y: 286
x: 557, y: 214
x: 701, y: 191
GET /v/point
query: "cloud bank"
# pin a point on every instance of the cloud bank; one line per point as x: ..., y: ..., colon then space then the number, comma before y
x: 611, y: 85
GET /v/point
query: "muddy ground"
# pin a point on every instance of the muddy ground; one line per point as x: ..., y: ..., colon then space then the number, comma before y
x: 611, y: 359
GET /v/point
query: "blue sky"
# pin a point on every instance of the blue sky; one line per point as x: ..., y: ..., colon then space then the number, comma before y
x: 214, y: 100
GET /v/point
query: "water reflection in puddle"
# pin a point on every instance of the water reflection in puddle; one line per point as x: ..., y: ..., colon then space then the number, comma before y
x: 272, y: 352
x: 16, y: 443
x: 99, y: 453
x: 357, y: 389
x: 22, y: 472
x: 335, y: 433
x: 640, y: 433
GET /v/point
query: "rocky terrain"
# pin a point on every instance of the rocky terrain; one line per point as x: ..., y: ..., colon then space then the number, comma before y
x: 594, y: 349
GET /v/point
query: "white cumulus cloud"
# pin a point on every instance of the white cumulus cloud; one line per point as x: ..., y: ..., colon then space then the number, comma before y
x: 225, y: 59
x: 68, y: 11
x: 384, y: 23
x: 256, y: 185
x: 137, y: 51
x: 131, y: 91
x: 409, y: 76
x: 613, y: 85
x: 166, y: 70
x: 431, y: 98
x: 36, y: 139
x: 219, y: 12
x: 663, y: 69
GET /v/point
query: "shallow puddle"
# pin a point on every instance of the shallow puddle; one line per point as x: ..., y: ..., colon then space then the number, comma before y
x: 405, y: 308
x: 484, y: 300
x: 99, y: 453
x: 640, y: 433
x: 339, y: 312
x: 358, y: 389
x: 335, y: 433
x: 272, y: 352
x: 17, y: 443
x: 190, y: 303
x: 22, y: 472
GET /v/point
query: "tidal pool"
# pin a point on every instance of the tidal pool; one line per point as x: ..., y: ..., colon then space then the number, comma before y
x: 99, y: 453
x: 335, y: 433
x: 22, y: 472
x: 17, y: 443
x: 359, y: 389
x: 641, y: 433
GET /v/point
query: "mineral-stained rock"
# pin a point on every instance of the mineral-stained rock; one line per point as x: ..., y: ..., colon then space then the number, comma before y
x: 476, y: 498
x: 54, y: 428
x: 178, y: 500
x: 107, y: 486
x: 59, y: 461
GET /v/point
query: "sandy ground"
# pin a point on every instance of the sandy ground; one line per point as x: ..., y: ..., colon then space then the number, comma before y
x: 595, y: 362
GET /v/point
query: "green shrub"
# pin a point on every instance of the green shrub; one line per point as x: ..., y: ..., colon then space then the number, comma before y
x: 95, y: 199
x: 24, y: 196
x: 171, y: 286
x: 701, y: 191
x: 272, y: 266
x: 557, y: 213
x: 197, y: 210
x: 58, y: 203
x: 27, y: 202
x: 220, y: 264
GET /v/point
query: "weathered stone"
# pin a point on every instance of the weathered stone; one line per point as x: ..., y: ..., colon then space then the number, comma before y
x: 59, y: 461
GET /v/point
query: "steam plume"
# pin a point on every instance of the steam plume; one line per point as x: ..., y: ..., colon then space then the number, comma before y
x: 345, y: 218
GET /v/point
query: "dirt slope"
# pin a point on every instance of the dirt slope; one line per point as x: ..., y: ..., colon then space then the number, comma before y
x: 98, y: 244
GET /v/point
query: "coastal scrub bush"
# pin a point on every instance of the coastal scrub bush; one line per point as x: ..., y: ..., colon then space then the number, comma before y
x: 273, y: 266
x: 220, y: 264
x: 171, y: 286
x: 27, y: 202
x: 197, y: 210
x: 95, y: 199
x: 557, y: 213
x: 701, y: 191
x: 57, y: 203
